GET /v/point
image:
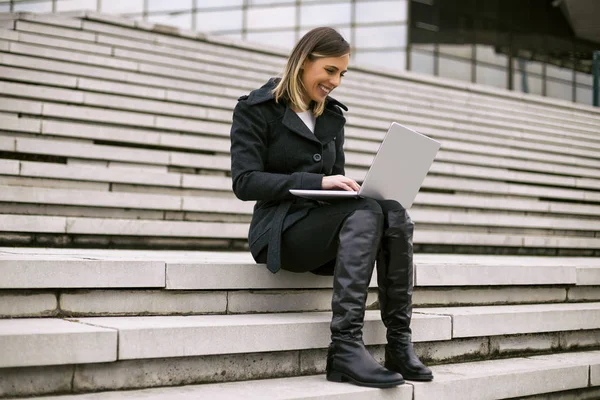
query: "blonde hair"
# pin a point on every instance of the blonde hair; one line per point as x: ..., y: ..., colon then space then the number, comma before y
x: 318, y: 43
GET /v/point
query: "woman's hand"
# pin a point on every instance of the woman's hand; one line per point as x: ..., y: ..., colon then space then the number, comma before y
x: 337, y: 182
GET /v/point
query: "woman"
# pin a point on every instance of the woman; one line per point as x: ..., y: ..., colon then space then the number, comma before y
x: 289, y: 134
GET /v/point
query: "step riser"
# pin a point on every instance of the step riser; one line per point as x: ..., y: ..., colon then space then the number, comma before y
x: 137, y: 374
x: 81, y: 303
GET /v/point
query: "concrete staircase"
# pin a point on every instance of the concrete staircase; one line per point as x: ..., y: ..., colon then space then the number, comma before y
x: 114, y: 134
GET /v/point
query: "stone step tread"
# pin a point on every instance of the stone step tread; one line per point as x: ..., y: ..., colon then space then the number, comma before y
x: 95, y: 198
x: 186, y: 336
x: 24, y: 268
x: 142, y: 337
x: 134, y: 43
x: 453, y: 151
x: 220, y: 91
x: 226, y: 230
x: 155, y: 69
x: 276, y: 57
x: 79, y: 97
x: 51, y: 341
x: 487, y: 196
x: 482, y: 380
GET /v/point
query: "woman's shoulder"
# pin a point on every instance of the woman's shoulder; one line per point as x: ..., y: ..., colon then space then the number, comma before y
x: 261, y: 95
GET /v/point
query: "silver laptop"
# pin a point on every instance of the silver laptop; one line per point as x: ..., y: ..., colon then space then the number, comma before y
x: 397, y: 172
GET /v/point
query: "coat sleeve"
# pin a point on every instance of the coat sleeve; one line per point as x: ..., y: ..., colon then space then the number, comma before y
x: 249, y: 149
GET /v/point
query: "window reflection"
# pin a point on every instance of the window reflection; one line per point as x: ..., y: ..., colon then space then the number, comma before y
x: 284, y: 40
x: 381, y: 11
x: 182, y: 21
x: 559, y: 90
x: 72, y: 5
x: 275, y: 17
x: 391, y: 60
x: 380, y: 36
x: 463, y: 51
x: 584, y: 94
x: 491, y: 76
x: 209, y: 21
x: 553, y: 71
x: 529, y: 83
x: 325, y: 14
x: 584, y: 78
x: 489, y: 55
x: 122, y: 7
x: 170, y: 5
x: 421, y: 62
x: 33, y: 7
x: 454, y: 69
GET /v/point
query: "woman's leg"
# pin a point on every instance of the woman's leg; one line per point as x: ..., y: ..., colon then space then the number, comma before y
x: 395, y: 282
x: 350, y: 232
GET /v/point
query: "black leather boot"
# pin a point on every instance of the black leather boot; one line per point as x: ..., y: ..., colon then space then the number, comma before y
x: 347, y: 358
x: 395, y: 282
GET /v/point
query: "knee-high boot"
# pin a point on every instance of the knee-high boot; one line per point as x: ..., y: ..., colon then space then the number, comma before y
x: 395, y: 281
x: 347, y: 358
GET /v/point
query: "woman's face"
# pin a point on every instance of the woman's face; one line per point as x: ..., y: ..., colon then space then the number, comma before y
x: 323, y: 75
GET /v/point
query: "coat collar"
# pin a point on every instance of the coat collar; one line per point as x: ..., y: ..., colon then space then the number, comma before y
x: 327, y: 125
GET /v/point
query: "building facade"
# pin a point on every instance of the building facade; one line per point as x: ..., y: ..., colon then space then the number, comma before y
x: 521, y: 45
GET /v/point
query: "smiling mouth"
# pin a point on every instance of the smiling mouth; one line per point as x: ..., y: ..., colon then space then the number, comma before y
x: 325, y: 89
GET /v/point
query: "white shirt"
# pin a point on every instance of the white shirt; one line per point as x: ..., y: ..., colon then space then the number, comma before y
x: 309, y: 119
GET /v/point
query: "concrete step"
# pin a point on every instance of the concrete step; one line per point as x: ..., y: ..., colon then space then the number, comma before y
x: 128, y: 44
x: 95, y: 198
x: 483, y: 380
x: 186, y: 336
x: 480, y: 120
x: 31, y: 268
x: 118, y: 227
x: 475, y: 93
x: 485, y: 198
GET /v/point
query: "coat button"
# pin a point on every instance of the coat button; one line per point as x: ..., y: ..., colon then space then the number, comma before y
x: 317, y: 157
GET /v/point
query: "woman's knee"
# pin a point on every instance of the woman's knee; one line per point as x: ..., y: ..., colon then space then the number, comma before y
x: 369, y: 204
x: 390, y: 205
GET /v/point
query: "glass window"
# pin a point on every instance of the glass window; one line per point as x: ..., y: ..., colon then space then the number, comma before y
x: 217, y: 3
x: 381, y: 11
x: 253, y: 2
x: 71, y: 5
x: 4, y: 7
x: 182, y: 21
x: 33, y: 7
x: 272, y: 17
x: 325, y: 14
x: 380, y: 36
x: 463, y: 51
x: 236, y: 35
x: 171, y: 5
x: 584, y: 95
x: 207, y: 21
x: 454, y: 69
x: 587, y: 79
x: 491, y: 76
x: 561, y: 73
x: 532, y: 84
x: 421, y: 62
x: 559, y: 90
x: 529, y: 66
x: 488, y: 54
x: 122, y: 7
x: 391, y: 60
x: 285, y: 40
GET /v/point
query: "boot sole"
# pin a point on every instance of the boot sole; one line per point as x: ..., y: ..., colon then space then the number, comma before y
x: 425, y: 378
x: 408, y: 377
x: 341, y: 377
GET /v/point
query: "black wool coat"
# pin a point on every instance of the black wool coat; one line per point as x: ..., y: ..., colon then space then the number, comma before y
x: 273, y: 151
